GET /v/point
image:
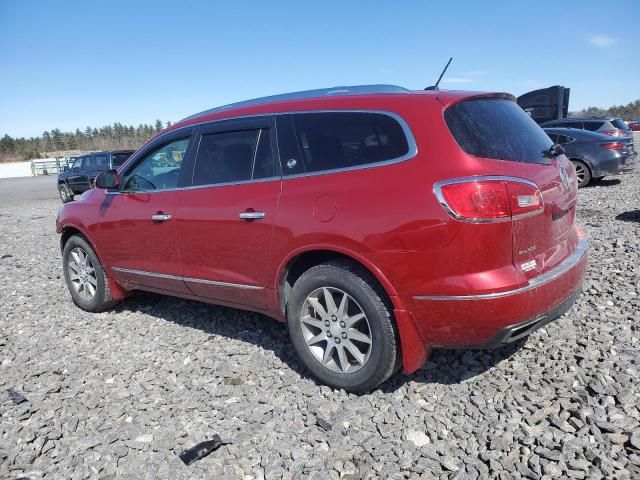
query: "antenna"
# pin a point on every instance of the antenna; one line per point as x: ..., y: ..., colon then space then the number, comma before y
x: 435, y: 87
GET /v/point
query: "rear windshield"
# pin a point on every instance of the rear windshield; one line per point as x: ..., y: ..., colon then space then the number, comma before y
x: 497, y: 128
x: 621, y: 125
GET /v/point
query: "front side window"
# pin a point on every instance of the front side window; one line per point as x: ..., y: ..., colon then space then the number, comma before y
x: 237, y: 156
x: 159, y: 169
x: 335, y: 140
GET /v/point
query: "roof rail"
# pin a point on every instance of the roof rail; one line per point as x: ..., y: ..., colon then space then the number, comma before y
x: 321, y: 92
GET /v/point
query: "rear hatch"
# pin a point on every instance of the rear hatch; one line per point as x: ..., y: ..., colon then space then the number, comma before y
x: 509, y: 143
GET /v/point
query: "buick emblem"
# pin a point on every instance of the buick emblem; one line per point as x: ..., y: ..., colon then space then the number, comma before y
x: 564, y: 177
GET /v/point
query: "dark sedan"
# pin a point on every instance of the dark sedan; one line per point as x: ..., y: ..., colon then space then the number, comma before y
x: 594, y: 155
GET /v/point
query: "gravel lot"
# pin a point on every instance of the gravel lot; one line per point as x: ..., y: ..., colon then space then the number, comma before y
x: 120, y: 394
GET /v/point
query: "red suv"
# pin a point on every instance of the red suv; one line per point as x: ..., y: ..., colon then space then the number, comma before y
x: 376, y: 221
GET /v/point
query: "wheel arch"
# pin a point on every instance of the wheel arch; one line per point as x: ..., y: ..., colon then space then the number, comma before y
x: 299, y: 261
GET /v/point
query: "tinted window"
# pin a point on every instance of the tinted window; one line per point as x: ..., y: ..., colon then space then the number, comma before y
x: 571, y: 125
x: 592, y: 126
x: 159, y: 169
x: 338, y: 140
x: 101, y: 162
x: 497, y: 128
x: 553, y: 137
x: 563, y: 139
x: 118, y: 159
x: 225, y: 157
x: 620, y: 124
x: 263, y: 165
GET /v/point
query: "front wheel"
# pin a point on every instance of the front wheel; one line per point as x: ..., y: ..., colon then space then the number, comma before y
x: 582, y: 173
x: 65, y: 193
x: 341, y: 325
x: 85, y: 276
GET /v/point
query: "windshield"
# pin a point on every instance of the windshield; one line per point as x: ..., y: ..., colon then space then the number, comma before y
x: 497, y: 128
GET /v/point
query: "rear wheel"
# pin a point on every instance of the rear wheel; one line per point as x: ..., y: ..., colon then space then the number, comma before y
x: 65, y: 193
x: 582, y: 173
x: 341, y: 326
x: 85, y: 276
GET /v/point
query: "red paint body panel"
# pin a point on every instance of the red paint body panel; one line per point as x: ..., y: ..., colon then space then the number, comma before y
x: 386, y: 217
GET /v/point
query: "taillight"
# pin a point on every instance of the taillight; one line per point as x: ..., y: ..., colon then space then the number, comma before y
x: 489, y: 199
x: 613, y: 146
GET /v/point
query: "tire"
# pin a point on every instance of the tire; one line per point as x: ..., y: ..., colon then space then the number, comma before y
x: 92, y: 294
x: 582, y: 172
x: 65, y: 193
x: 373, y: 362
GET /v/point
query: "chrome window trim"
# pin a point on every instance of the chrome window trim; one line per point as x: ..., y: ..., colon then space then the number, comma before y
x: 536, y: 282
x: 187, y: 279
x: 437, y: 190
x: 191, y: 187
x: 411, y: 143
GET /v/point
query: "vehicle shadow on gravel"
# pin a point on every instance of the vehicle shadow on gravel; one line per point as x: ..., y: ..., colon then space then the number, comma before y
x: 606, y: 182
x: 630, y: 216
x: 443, y: 366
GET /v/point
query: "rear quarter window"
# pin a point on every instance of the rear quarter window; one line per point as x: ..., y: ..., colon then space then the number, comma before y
x: 336, y: 140
x: 620, y: 124
x: 497, y: 128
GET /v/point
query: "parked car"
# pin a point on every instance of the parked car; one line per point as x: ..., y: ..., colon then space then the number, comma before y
x: 594, y: 155
x: 634, y: 125
x: 378, y: 222
x: 77, y: 178
x: 612, y: 126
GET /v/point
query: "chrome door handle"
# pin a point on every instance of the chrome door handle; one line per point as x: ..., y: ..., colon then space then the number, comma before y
x: 160, y: 217
x: 251, y: 215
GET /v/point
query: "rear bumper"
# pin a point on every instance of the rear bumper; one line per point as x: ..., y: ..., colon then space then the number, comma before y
x: 491, y: 319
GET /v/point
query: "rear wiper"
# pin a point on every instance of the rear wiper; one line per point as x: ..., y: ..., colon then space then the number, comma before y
x: 553, y: 151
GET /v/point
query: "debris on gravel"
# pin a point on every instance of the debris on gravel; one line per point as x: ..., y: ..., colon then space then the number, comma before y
x: 121, y: 394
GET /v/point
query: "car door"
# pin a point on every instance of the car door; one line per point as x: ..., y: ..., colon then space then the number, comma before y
x: 137, y: 226
x: 226, y: 216
x: 74, y: 180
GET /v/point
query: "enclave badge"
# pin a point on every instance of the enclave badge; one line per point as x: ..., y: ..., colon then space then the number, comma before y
x: 564, y: 177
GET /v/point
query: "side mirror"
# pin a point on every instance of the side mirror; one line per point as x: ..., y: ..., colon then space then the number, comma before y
x: 108, y: 180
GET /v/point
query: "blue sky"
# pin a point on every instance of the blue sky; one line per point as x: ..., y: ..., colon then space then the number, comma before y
x: 69, y: 64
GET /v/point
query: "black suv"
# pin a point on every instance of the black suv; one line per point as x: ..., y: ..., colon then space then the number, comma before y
x: 79, y: 176
x: 611, y: 126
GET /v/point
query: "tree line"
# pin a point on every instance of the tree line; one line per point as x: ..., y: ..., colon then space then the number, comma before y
x: 109, y: 137
x: 631, y: 111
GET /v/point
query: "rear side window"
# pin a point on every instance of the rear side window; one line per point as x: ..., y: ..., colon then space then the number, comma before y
x: 593, y: 126
x: 100, y: 161
x: 497, y: 128
x: 334, y: 140
x: 118, y: 159
x: 233, y: 157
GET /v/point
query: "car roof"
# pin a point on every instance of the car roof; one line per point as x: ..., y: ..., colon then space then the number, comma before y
x: 343, y: 97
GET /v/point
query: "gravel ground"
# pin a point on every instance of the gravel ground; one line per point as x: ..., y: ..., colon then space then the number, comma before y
x: 121, y: 394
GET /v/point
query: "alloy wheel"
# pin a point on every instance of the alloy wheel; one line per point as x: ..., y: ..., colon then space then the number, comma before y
x: 580, y: 173
x: 82, y: 273
x: 336, y: 330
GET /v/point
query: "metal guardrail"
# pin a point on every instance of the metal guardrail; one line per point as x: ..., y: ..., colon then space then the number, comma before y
x: 48, y: 167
